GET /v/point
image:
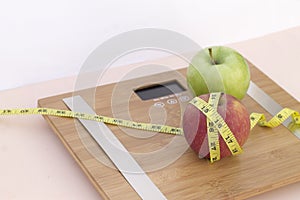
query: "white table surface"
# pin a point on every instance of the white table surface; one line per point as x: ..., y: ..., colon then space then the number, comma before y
x: 35, y: 164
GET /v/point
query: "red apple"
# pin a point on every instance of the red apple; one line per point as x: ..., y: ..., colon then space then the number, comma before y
x: 235, y: 116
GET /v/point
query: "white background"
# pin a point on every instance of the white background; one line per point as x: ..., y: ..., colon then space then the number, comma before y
x: 43, y: 40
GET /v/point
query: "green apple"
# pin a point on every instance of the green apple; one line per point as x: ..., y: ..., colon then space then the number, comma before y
x: 218, y: 69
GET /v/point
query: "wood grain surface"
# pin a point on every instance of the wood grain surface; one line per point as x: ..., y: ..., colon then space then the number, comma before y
x: 270, y: 159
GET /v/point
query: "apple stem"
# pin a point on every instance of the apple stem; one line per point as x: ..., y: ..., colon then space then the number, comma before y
x: 211, y: 56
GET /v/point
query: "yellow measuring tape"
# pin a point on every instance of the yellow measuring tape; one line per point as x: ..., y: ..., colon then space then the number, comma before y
x: 99, y: 118
x: 218, y: 123
x: 212, y: 131
x: 215, y: 122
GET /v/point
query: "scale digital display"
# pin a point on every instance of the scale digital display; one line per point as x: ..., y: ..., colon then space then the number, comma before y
x: 159, y: 90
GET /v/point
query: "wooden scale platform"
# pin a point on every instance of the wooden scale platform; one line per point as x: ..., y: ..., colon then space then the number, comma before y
x: 271, y: 157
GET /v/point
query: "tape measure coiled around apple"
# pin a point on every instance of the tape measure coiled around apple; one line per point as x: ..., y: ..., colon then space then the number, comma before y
x: 215, y: 122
